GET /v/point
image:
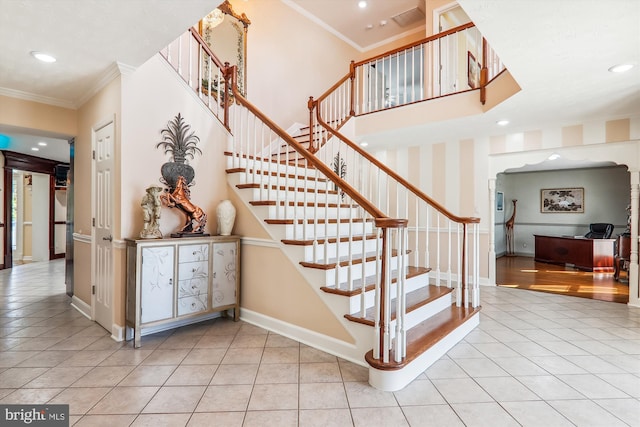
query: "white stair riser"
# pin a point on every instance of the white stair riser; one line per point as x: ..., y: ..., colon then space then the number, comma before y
x: 411, y: 284
x: 299, y: 196
x: 322, y: 230
x: 234, y: 162
x: 355, y: 270
x: 299, y: 212
x: 426, y: 311
x: 311, y: 184
x: 330, y: 250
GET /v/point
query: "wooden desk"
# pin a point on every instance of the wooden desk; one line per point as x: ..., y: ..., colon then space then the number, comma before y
x: 586, y: 254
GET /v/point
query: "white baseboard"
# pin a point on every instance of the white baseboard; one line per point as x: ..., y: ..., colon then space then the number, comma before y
x: 311, y: 338
x: 117, y: 333
x: 81, y: 306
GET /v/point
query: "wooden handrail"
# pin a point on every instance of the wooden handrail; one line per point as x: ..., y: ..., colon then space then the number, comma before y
x: 419, y: 42
x: 206, y: 47
x: 312, y: 159
x: 394, y: 175
x: 334, y: 87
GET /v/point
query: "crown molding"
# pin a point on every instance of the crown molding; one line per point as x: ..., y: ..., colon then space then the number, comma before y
x: 27, y: 96
x: 113, y: 71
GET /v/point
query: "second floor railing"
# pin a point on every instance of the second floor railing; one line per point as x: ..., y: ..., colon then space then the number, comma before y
x: 454, y: 61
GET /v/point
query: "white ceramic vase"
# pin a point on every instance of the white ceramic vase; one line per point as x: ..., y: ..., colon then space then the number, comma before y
x: 226, y: 213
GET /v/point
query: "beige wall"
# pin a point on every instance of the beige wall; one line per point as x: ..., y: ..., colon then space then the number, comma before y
x: 102, y: 107
x: 289, y: 58
x: 459, y: 170
x: 34, y: 115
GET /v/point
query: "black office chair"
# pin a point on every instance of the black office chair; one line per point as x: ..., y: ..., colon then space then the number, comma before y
x: 599, y: 230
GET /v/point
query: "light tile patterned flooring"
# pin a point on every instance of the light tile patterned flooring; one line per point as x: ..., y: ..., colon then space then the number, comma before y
x: 536, y: 360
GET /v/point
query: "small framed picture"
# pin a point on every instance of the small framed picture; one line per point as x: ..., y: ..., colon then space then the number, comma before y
x: 473, y: 71
x: 561, y: 200
x: 499, y: 201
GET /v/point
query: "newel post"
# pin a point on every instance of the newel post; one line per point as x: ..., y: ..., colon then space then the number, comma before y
x: 382, y: 345
x: 311, y: 105
x: 484, y: 73
x: 229, y: 75
x: 352, y: 102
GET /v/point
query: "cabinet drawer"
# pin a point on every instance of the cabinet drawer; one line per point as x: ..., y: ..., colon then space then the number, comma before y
x: 193, y: 304
x: 192, y: 277
x: 191, y: 253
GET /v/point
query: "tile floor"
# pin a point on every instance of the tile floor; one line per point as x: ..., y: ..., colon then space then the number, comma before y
x: 535, y: 360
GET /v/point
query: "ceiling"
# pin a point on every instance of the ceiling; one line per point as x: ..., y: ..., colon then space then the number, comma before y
x: 557, y: 50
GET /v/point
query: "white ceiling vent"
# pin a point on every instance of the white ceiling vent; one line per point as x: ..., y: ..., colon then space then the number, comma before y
x: 409, y: 17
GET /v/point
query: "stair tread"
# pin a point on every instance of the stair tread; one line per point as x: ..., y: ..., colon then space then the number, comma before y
x: 343, y: 239
x: 425, y: 335
x: 370, y: 282
x: 281, y: 174
x: 345, y: 261
x: 301, y: 204
x: 267, y: 160
x: 415, y: 299
x: 283, y: 188
x: 275, y: 221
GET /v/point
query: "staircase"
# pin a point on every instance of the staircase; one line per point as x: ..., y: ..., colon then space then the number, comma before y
x: 398, y: 269
x: 337, y: 249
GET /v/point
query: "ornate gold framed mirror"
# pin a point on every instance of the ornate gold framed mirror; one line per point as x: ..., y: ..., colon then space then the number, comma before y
x: 226, y: 34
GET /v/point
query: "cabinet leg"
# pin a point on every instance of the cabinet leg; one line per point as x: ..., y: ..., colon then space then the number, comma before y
x: 136, y: 339
x: 236, y: 314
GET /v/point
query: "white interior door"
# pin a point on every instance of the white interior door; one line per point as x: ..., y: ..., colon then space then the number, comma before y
x: 102, y: 301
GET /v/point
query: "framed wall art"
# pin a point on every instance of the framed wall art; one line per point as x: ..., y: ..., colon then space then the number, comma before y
x: 562, y: 200
x: 473, y: 71
x: 499, y: 201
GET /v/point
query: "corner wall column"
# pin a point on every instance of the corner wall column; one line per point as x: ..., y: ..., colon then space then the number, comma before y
x: 634, y: 296
x: 492, y: 232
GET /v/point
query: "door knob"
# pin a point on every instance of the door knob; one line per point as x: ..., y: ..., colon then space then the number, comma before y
x: 110, y: 238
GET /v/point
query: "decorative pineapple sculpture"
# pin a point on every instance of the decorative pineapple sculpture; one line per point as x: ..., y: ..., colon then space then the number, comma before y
x: 177, y: 141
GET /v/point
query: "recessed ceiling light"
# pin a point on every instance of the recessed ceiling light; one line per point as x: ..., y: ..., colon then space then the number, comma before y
x: 369, y: 26
x: 364, y: 144
x: 42, y: 144
x: 362, y: 4
x: 44, y: 57
x: 621, y: 68
x: 502, y: 122
x: 35, y: 149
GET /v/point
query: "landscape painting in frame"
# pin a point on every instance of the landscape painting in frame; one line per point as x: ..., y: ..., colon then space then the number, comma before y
x: 559, y: 200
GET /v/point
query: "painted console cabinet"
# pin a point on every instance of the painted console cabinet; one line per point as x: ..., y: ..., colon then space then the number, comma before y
x: 177, y: 281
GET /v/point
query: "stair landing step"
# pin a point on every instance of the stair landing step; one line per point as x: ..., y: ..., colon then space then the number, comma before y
x: 415, y: 299
x: 370, y: 282
x: 425, y: 335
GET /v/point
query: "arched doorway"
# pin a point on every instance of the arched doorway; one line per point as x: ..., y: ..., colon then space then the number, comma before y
x: 624, y: 153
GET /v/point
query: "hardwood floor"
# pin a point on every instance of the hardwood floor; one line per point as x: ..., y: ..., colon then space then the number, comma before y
x: 525, y: 273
